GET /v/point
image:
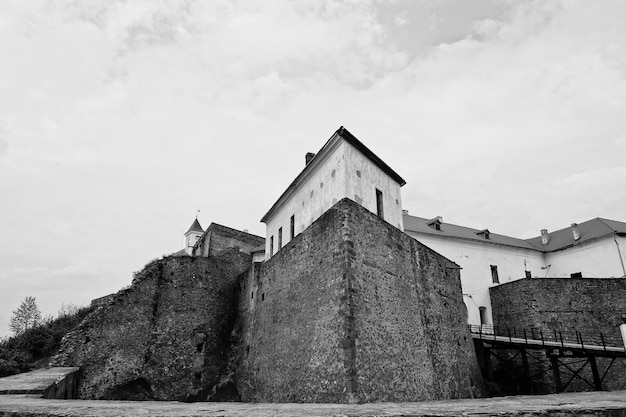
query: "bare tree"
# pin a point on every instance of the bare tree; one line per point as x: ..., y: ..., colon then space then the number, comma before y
x: 26, y: 316
x: 68, y: 309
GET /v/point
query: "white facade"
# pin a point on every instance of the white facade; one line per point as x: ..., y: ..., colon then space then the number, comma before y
x: 596, y: 253
x: 476, y: 259
x: 602, y: 258
x: 344, y: 167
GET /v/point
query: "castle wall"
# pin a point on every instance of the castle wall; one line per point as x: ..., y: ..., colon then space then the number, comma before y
x: 589, y: 305
x: 165, y: 337
x: 476, y: 259
x: 336, y: 318
x: 566, y: 305
x: 218, y: 238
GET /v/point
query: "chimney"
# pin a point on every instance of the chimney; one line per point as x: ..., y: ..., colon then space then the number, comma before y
x: 575, y: 231
x: 245, y: 230
x: 309, y: 156
x: 545, y: 237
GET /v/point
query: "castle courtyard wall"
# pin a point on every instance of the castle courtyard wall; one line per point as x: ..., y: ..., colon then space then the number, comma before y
x: 589, y: 306
x: 354, y: 310
x: 166, y: 337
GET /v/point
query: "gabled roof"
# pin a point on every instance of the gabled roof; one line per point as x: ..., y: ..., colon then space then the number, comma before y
x: 422, y: 225
x: 343, y: 133
x: 195, y: 227
x: 561, y: 239
x: 592, y: 229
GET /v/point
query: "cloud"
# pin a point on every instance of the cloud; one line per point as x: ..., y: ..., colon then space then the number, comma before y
x: 4, y: 137
x: 123, y: 118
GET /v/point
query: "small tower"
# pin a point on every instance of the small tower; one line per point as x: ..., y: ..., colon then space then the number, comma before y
x: 192, y: 235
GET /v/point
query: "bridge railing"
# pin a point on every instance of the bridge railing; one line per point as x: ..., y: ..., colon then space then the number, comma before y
x: 602, y: 339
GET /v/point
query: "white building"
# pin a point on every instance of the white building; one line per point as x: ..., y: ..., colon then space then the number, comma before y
x: 593, y: 249
x: 344, y: 167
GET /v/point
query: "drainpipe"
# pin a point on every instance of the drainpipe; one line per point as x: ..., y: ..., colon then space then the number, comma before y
x: 621, y: 260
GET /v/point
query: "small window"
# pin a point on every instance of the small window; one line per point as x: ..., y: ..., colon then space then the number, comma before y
x: 271, y: 246
x: 494, y: 274
x: 483, y: 315
x: 280, y: 238
x: 263, y: 297
x: 528, y: 274
x: 437, y: 226
x: 379, y: 204
x: 484, y: 233
x: 292, y: 227
x: 252, y: 295
x: 576, y: 275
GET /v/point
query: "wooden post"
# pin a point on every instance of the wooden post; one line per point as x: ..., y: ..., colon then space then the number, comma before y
x: 596, y: 375
x: 557, y: 374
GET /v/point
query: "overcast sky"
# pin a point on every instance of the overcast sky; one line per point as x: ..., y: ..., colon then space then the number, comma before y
x: 120, y: 119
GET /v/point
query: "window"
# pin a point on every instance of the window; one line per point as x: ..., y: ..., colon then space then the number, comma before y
x: 271, y: 246
x: 292, y: 227
x: 484, y: 233
x: 280, y: 238
x: 494, y: 274
x: 379, y: 204
x: 437, y: 226
x: 528, y: 274
x: 576, y: 275
x: 483, y: 315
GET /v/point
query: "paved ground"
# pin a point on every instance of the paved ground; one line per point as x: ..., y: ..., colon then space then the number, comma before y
x: 558, y: 405
x: 34, y: 382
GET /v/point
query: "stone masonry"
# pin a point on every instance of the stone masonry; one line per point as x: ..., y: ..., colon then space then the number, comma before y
x: 354, y: 310
x: 166, y: 337
x: 589, y: 306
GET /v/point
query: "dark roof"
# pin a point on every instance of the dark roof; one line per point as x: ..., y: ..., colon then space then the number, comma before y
x: 421, y: 225
x: 351, y: 139
x: 195, y: 227
x: 592, y: 229
x: 560, y: 239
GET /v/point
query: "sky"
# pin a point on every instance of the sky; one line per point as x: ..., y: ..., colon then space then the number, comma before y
x: 120, y: 119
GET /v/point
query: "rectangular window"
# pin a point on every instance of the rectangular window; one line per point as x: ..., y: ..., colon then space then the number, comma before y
x: 280, y: 238
x: 528, y: 275
x: 379, y: 204
x: 292, y: 227
x: 483, y: 315
x: 271, y: 246
x: 494, y: 274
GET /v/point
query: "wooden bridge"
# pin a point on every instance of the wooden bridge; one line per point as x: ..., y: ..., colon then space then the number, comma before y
x: 541, y: 362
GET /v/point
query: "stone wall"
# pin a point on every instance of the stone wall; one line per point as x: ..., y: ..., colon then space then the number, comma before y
x: 218, y: 238
x: 354, y: 310
x: 166, y: 337
x: 588, y: 305
x: 561, y: 307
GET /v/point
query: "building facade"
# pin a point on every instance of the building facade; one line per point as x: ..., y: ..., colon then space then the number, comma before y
x: 593, y: 249
x: 343, y: 168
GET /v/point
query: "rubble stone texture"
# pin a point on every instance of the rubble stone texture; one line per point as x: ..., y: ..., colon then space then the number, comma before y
x: 351, y: 310
x: 165, y: 337
x: 354, y: 310
x: 589, y: 306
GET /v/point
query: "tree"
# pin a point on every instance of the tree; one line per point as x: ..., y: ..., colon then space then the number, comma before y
x: 68, y: 309
x: 26, y: 316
